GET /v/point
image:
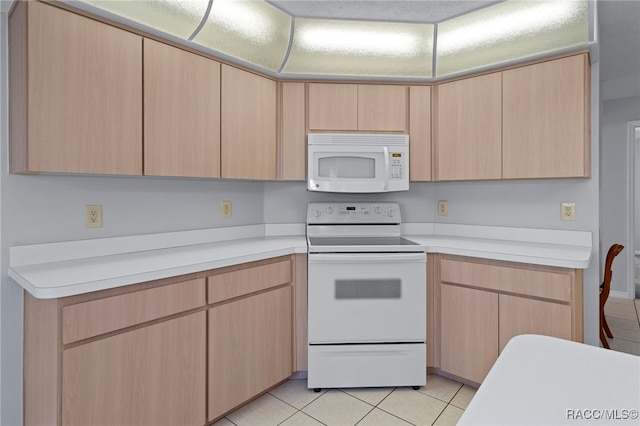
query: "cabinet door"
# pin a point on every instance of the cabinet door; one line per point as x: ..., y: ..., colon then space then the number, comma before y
x: 469, y: 331
x: 150, y: 376
x: 292, y: 151
x: 382, y: 108
x: 520, y: 315
x: 546, y: 119
x: 420, y: 133
x: 83, y: 95
x: 250, y: 348
x: 248, y: 142
x: 181, y: 112
x: 333, y: 106
x: 468, y: 141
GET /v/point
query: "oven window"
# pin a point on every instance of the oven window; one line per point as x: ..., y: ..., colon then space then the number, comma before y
x: 347, y: 167
x: 368, y: 289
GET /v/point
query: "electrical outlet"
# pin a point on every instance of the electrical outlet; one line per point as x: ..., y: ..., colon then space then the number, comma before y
x: 225, y: 209
x: 568, y: 211
x: 93, y: 216
x: 443, y: 208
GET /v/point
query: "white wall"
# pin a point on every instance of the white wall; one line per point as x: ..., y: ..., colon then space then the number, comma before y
x: 286, y: 202
x: 616, y: 113
x: 4, y: 8
x: 636, y: 195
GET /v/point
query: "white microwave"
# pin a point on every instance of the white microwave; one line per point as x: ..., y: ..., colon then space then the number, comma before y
x: 357, y: 163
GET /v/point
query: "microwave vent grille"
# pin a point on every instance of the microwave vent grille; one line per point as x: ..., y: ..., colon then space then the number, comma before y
x: 357, y: 139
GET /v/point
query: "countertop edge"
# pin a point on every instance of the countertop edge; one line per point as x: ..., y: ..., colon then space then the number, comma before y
x: 218, y: 255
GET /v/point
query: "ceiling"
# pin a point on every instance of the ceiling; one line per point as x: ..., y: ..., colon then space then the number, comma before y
x: 619, y: 31
x: 425, y: 11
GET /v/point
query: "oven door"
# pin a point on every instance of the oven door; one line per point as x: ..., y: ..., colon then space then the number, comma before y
x: 367, y: 297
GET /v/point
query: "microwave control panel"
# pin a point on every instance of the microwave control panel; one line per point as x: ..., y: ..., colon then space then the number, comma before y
x: 396, y: 162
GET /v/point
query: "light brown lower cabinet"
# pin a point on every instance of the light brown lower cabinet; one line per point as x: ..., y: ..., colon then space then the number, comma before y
x: 150, y: 376
x: 481, y: 304
x: 469, y: 331
x: 521, y: 315
x: 250, y: 348
x: 178, y: 351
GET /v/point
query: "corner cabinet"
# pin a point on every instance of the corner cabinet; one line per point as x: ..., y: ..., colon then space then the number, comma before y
x: 546, y: 119
x: 181, y: 112
x: 177, y: 351
x: 420, y: 133
x: 76, y: 84
x: 250, y: 332
x: 292, y: 134
x: 481, y: 304
x: 469, y: 129
x: 248, y: 125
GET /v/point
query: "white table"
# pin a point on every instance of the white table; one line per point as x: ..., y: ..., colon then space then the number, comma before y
x: 541, y: 380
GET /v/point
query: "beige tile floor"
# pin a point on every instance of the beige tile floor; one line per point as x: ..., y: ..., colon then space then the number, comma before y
x: 623, y: 317
x: 440, y: 402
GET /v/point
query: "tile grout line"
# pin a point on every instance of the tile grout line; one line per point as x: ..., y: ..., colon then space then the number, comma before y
x: 372, y: 406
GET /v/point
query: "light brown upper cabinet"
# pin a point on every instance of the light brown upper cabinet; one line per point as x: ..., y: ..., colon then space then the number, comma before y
x: 469, y: 129
x: 546, y: 109
x: 181, y: 112
x: 357, y: 107
x: 420, y: 133
x: 292, y: 138
x: 75, y: 103
x: 333, y: 106
x: 248, y: 123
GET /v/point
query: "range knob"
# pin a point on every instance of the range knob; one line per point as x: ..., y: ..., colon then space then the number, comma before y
x: 377, y: 209
x: 330, y: 210
x: 391, y: 213
x: 317, y: 213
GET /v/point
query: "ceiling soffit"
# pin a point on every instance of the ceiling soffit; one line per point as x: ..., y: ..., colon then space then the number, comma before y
x: 422, y: 40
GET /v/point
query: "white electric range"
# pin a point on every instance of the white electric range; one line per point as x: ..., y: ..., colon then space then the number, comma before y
x: 366, y: 298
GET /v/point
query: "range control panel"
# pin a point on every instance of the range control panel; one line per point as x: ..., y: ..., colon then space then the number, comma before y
x: 353, y: 213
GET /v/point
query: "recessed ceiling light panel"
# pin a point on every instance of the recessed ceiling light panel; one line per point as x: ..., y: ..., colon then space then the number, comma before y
x: 252, y: 31
x: 360, y: 48
x: 509, y: 31
x: 179, y: 18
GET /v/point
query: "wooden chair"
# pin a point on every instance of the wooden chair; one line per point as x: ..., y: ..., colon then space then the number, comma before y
x: 605, y: 288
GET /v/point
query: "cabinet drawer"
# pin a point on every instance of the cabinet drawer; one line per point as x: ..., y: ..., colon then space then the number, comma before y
x: 228, y: 285
x: 88, y: 319
x: 535, y: 283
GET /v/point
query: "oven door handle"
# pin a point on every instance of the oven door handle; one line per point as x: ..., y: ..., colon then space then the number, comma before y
x: 369, y: 258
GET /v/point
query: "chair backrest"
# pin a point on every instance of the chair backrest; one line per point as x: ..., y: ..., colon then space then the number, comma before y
x: 614, y: 250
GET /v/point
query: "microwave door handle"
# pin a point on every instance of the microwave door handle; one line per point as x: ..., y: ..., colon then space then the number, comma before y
x: 386, y: 168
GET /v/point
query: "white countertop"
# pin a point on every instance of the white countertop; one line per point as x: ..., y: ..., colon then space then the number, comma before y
x: 565, y: 256
x: 541, y: 380
x: 63, y: 269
